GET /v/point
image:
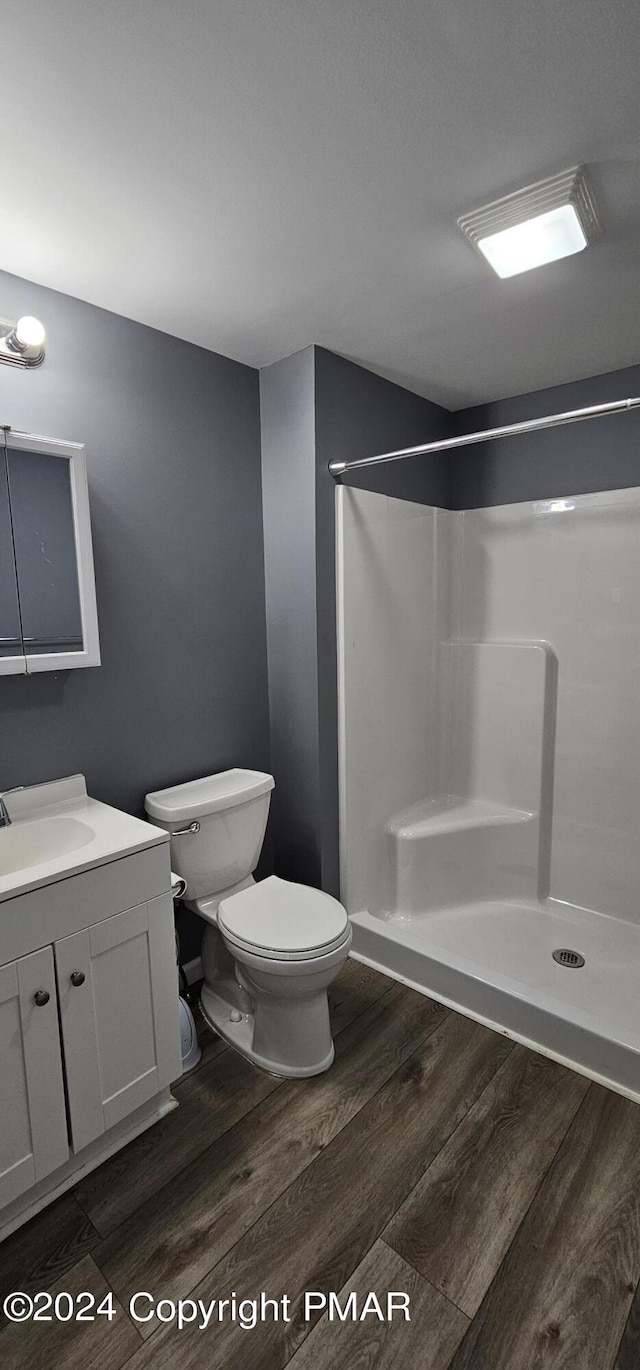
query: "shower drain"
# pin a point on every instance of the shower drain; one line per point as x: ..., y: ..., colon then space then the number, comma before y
x: 565, y: 957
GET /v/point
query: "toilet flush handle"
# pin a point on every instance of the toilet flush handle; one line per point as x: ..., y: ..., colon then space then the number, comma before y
x: 185, y: 832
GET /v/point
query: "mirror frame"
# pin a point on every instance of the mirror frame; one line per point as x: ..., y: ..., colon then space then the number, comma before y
x: 74, y: 453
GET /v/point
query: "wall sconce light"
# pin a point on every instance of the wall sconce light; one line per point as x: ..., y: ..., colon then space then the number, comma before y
x: 22, y: 343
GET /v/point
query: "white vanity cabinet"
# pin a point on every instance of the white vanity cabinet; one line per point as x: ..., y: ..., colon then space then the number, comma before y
x: 89, y: 1022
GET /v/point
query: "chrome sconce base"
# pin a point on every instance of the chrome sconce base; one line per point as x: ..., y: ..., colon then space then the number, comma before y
x: 21, y: 346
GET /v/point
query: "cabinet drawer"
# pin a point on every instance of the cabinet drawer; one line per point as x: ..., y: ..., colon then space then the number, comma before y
x: 66, y: 906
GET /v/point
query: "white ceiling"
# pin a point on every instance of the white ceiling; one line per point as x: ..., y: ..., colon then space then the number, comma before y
x: 255, y: 175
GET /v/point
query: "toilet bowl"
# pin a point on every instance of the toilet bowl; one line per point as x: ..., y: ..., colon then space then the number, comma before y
x: 270, y: 949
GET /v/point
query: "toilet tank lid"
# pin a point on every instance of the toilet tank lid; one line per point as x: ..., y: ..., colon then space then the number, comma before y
x: 207, y: 795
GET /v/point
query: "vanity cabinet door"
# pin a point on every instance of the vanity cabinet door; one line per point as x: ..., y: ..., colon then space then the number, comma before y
x: 118, y: 992
x: 33, y: 1125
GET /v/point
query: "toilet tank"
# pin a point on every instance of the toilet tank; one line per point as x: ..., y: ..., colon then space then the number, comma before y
x: 231, y: 809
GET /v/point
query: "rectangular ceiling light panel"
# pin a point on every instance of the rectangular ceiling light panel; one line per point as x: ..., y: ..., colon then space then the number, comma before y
x: 539, y: 224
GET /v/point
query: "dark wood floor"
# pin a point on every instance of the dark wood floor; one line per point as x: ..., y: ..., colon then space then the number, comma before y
x: 436, y: 1158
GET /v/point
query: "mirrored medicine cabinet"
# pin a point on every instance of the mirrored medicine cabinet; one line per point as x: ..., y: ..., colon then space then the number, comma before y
x: 48, y: 618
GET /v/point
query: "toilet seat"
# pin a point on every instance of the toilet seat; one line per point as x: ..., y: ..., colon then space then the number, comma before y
x: 283, y: 921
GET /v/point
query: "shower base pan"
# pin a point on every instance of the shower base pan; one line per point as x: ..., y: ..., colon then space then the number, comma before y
x: 494, y: 962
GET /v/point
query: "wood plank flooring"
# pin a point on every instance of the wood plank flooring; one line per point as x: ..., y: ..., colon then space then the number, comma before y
x: 436, y: 1159
x: 458, y: 1222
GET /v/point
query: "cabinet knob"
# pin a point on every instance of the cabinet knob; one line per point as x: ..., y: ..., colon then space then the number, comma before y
x: 41, y: 997
x: 77, y: 978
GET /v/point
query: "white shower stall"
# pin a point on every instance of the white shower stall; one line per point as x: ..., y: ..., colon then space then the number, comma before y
x: 489, y: 718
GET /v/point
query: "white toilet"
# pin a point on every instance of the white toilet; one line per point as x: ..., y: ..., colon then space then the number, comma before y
x: 269, y: 950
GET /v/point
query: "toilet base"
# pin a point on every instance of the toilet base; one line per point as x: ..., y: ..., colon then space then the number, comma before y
x: 217, y: 1004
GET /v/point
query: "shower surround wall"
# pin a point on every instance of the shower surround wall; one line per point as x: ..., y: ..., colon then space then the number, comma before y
x: 393, y: 611
x: 568, y: 571
x: 490, y: 755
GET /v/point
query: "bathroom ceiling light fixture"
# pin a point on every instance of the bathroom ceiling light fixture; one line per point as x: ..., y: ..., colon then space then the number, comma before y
x: 22, y: 343
x: 542, y: 223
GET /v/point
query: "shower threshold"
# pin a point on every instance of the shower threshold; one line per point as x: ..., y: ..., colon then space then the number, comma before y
x: 494, y: 962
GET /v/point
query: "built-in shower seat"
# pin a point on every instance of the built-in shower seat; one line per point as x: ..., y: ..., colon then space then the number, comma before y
x: 451, y: 850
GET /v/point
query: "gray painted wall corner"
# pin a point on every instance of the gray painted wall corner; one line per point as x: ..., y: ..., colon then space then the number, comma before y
x: 316, y: 405
x: 288, y: 494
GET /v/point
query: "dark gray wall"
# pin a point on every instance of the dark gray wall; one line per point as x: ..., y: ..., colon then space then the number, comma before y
x: 602, y: 454
x: 173, y: 450
x: 288, y: 482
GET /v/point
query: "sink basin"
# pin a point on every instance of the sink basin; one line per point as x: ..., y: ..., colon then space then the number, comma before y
x: 41, y: 839
x: 57, y: 830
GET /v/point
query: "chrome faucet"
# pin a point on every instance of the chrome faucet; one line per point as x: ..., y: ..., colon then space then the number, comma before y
x: 5, y: 816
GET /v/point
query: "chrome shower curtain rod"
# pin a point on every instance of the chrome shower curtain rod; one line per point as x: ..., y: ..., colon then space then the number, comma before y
x: 595, y: 411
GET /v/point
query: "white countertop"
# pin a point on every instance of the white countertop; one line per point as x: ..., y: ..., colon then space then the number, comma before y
x: 95, y: 835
